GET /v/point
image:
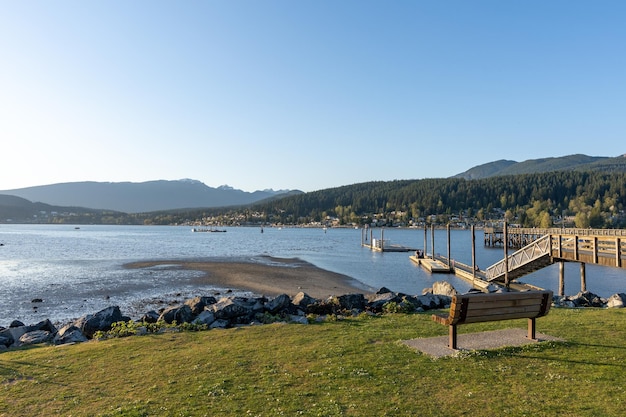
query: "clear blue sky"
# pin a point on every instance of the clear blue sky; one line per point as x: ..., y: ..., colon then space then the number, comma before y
x: 303, y: 94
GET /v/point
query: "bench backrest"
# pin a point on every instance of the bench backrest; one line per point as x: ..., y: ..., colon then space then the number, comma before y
x: 475, y: 308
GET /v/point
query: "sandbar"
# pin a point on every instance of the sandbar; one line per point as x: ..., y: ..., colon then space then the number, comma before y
x: 267, y: 276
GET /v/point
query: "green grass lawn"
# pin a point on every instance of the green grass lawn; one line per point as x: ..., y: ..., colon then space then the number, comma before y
x: 354, y: 367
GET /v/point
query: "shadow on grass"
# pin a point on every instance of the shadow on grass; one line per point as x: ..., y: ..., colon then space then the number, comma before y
x: 523, y: 352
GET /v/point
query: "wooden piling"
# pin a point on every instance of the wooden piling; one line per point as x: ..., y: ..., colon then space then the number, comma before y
x: 506, y: 256
x: 561, y: 278
x: 448, y: 230
x: 583, y: 277
x: 432, y: 237
x: 473, y: 254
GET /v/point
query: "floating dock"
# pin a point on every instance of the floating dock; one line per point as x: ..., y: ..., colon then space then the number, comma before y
x: 431, y: 265
x: 382, y: 245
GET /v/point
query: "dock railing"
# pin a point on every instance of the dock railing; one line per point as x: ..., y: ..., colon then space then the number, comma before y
x: 537, y: 250
x: 559, y: 231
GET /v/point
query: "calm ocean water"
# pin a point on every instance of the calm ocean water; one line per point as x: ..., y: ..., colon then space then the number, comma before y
x: 80, y: 271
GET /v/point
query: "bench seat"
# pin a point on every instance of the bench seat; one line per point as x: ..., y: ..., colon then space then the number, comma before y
x: 476, y: 308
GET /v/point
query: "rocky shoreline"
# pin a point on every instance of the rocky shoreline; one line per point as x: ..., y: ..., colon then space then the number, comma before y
x: 207, y: 312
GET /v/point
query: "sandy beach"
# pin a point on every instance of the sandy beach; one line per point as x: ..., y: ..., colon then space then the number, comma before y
x: 268, y: 277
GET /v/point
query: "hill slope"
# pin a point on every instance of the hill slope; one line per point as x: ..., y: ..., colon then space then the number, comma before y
x: 19, y: 210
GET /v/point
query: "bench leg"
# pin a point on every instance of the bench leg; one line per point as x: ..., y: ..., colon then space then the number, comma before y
x: 452, y: 337
x: 531, y: 329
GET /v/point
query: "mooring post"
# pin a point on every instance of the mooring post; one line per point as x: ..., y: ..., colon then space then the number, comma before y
x: 432, y: 236
x: 583, y: 277
x: 506, y: 255
x: 473, y: 254
x: 425, y: 240
x: 561, y: 278
x: 448, y: 229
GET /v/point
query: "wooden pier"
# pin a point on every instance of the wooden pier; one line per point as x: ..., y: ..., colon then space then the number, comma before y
x: 543, y: 247
x: 538, y: 248
x: 518, y: 237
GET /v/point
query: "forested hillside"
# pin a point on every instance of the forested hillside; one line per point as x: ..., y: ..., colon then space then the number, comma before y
x: 595, y: 199
x: 19, y: 210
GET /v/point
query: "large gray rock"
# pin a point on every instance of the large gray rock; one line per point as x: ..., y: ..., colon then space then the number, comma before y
x: 256, y: 304
x: 303, y: 300
x: 198, y: 304
x: 278, y: 303
x: 206, y: 317
x: 377, y: 301
x: 433, y: 301
x: 69, y: 334
x: 562, y: 301
x: 321, y: 307
x: 44, y: 325
x: 179, y: 314
x: 230, y: 308
x: 352, y: 301
x: 150, y: 317
x: 444, y: 288
x: 587, y: 299
x: 6, y: 340
x: 11, y: 335
x: 616, y: 301
x: 17, y: 329
x: 34, y: 337
x: 100, y: 321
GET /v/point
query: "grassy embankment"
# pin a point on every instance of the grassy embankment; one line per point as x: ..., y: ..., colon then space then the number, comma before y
x: 353, y: 367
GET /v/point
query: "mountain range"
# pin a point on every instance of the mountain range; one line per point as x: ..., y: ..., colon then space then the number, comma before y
x: 140, y: 197
x: 162, y: 195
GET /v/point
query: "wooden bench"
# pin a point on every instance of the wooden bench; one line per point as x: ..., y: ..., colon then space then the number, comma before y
x: 476, y: 308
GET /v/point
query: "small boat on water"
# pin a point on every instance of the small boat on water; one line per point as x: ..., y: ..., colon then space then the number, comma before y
x: 207, y: 230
